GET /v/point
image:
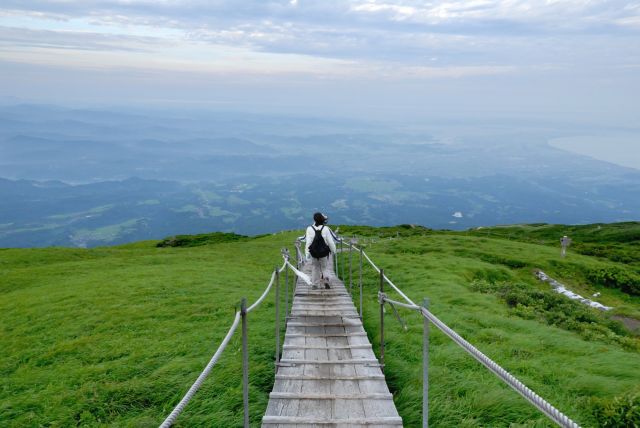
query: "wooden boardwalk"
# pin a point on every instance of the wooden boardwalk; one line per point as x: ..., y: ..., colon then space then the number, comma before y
x: 328, y: 374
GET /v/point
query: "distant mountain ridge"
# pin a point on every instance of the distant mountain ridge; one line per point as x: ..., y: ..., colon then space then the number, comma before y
x: 147, y: 175
x: 36, y: 214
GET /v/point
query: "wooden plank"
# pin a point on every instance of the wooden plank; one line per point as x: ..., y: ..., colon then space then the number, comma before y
x: 331, y: 377
x: 359, y: 361
x: 362, y: 346
x: 328, y: 373
x: 328, y: 396
x: 394, y: 421
x: 308, y: 325
x: 323, y: 334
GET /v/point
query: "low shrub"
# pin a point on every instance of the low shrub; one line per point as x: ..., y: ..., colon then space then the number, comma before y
x: 615, y: 277
x: 617, y: 253
x: 555, y: 309
x: 202, y: 239
x: 619, y: 412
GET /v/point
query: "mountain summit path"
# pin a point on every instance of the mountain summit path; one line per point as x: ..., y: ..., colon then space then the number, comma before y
x: 328, y: 374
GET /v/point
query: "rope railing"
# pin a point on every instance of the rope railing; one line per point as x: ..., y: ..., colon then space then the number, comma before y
x: 239, y: 315
x: 266, y: 291
x: 549, y: 410
x: 196, y: 385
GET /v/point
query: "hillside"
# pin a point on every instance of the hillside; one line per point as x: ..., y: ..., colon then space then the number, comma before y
x: 114, y: 336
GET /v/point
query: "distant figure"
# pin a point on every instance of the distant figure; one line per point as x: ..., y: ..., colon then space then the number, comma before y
x: 319, y: 245
x: 565, y: 241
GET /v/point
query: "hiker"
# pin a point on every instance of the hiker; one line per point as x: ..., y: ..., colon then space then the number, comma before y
x: 319, y: 245
x: 564, y: 243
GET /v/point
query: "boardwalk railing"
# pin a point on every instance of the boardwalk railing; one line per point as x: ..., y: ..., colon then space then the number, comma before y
x: 241, y: 316
x: 349, y: 247
x: 429, y: 318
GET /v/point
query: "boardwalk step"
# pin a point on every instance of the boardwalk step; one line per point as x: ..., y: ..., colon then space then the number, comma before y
x: 325, y: 313
x: 329, y: 324
x: 370, y: 361
x: 332, y: 377
x: 305, y: 396
x: 361, y: 346
x: 323, y: 295
x: 328, y: 314
x: 297, y: 421
x: 358, y: 333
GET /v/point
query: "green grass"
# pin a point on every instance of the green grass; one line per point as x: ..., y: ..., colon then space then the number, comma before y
x: 617, y: 242
x: 584, y: 378
x: 115, y: 336
x: 202, y: 239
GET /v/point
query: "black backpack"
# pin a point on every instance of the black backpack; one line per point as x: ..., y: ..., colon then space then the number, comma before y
x: 318, y: 248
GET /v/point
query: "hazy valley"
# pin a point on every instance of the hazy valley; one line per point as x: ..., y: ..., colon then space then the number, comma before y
x: 96, y: 177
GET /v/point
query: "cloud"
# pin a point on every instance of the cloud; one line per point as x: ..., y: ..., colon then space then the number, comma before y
x: 360, y: 46
x: 457, y: 16
x: 27, y: 38
x: 470, y: 35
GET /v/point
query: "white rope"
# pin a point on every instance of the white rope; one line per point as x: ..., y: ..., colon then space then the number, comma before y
x: 266, y: 291
x: 373, y: 265
x: 196, y: 385
x: 398, y: 291
x: 553, y: 413
x: 540, y: 403
x: 299, y: 274
x: 403, y: 305
x: 252, y: 307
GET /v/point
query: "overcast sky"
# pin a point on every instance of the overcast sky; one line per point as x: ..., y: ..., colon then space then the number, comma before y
x: 399, y: 59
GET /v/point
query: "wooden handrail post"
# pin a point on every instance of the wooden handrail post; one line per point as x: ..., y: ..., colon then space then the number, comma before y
x: 350, y: 270
x: 381, y: 320
x: 425, y: 368
x: 286, y: 291
x: 277, y: 318
x: 360, y: 280
x: 245, y: 362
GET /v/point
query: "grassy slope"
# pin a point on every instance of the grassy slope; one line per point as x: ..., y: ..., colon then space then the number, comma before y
x: 617, y: 242
x: 562, y: 367
x: 115, y: 336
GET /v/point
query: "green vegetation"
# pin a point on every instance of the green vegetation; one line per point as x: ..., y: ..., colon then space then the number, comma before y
x: 619, y: 412
x: 578, y: 358
x: 202, y: 239
x: 403, y: 230
x: 558, y: 310
x: 105, y: 234
x: 616, y: 277
x: 617, y: 242
x: 115, y: 336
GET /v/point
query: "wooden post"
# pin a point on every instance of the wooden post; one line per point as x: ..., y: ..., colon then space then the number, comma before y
x: 350, y: 270
x: 286, y: 292
x: 277, y: 318
x: 425, y: 368
x: 245, y: 362
x: 360, y: 280
x: 342, y: 264
x: 381, y: 321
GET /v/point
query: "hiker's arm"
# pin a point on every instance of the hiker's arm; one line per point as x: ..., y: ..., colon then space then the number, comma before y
x: 307, y: 242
